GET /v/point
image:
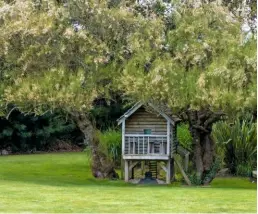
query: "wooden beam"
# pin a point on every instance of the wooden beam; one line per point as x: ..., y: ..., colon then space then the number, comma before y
x: 146, y: 157
x: 129, y: 112
x: 168, y: 174
x: 143, y: 167
x: 126, y: 171
x: 164, y: 168
x: 172, y: 168
x: 172, y: 141
x: 133, y: 165
x: 182, y: 172
x: 122, y: 168
x: 123, y: 137
x: 168, y: 138
x: 144, y: 135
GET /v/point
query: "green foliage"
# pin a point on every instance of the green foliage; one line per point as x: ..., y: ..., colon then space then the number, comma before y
x: 184, y: 137
x: 106, y: 113
x: 64, y: 55
x: 213, y: 170
x: 244, y: 169
x: 192, y: 69
x: 110, y: 141
x: 195, y: 180
x: 237, y: 142
x: 23, y: 133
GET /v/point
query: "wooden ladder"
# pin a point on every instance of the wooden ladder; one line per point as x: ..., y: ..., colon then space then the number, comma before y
x: 153, y: 168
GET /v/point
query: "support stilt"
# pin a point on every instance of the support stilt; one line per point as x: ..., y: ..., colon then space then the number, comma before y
x: 172, y: 167
x: 168, y: 174
x: 126, y: 174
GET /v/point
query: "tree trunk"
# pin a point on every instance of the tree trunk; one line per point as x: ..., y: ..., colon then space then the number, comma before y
x: 101, y: 165
x: 200, y: 126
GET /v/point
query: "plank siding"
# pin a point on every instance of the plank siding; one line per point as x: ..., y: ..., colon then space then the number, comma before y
x: 142, y: 119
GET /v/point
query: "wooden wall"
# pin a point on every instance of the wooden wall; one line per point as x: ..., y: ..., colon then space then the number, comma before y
x: 142, y: 119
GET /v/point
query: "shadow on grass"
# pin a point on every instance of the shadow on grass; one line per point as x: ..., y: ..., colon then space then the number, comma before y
x: 72, y: 169
x: 72, y: 179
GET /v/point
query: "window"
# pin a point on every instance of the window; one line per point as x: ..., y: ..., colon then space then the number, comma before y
x: 147, y: 131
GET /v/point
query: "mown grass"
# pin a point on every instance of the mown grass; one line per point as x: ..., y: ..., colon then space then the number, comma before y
x: 63, y: 183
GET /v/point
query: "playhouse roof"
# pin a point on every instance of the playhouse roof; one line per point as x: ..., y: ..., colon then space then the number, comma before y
x: 127, y: 114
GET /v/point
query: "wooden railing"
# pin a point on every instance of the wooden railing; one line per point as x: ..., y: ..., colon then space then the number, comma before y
x: 141, y: 144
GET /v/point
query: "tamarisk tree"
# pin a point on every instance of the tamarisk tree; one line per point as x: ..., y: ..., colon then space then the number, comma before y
x: 60, y: 55
x: 204, y: 70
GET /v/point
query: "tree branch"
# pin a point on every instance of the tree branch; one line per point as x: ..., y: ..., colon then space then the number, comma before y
x: 200, y: 128
x: 215, y: 117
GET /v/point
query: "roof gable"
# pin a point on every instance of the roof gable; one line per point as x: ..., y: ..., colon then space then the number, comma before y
x: 137, y: 106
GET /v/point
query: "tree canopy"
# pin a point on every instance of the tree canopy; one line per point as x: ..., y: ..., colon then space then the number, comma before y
x: 203, y: 62
x: 60, y: 55
x: 193, y: 57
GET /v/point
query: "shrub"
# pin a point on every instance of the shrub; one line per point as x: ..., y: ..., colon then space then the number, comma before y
x: 183, y: 135
x: 237, y: 144
x: 110, y: 141
x: 244, y: 169
x: 23, y: 133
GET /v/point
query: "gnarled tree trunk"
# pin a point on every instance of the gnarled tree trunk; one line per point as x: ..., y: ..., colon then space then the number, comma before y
x: 101, y: 165
x: 200, y: 126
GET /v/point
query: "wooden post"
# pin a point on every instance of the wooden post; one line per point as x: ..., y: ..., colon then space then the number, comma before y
x: 143, y: 145
x: 172, y: 168
x: 133, y: 146
x: 148, y: 146
x: 138, y: 146
x: 183, y: 172
x: 172, y: 140
x: 168, y: 138
x: 123, y: 137
x: 142, y: 167
x: 126, y: 171
x: 122, y: 168
x: 132, y: 173
x: 132, y: 164
x: 168, y: 174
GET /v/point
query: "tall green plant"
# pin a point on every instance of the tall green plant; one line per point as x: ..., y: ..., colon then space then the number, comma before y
x: 238, y: 142
x: 184, y: 136
x: 110, y: 142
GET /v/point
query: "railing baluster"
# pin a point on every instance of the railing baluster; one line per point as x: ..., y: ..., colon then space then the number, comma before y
x: 133, y: 145
x: 138, y: 146
x: 143, y: 145
x: 125, y: 146
x: 129, y: 143
x: 161, y: 149
x: 148, y: 146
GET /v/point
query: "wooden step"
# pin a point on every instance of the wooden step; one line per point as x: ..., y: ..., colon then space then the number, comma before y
x: 153, y: 168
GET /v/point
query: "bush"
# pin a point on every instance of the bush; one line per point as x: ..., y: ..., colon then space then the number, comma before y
x: 111, y: 142
x: 184, y: 137
x: 237, y: 144
x: 211, y: 174
x: 244, y: 170
x: 25, y: 133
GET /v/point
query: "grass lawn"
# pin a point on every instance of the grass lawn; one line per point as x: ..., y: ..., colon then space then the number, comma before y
x: 62, y: 182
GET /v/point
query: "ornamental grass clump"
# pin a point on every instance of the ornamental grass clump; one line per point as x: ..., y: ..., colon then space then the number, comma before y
x: 237, y: 143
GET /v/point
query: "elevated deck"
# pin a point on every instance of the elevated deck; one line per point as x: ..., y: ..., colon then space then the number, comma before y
x: 146, y: 147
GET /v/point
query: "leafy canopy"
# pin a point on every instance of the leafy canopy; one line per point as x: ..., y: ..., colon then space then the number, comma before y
x: 203, y: 62
x: 56, y: 55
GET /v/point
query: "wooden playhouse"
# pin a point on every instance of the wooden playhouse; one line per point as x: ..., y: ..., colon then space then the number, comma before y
x: 148, y: 139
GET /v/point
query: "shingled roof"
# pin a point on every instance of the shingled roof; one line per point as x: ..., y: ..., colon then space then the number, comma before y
x: 169, y: 117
